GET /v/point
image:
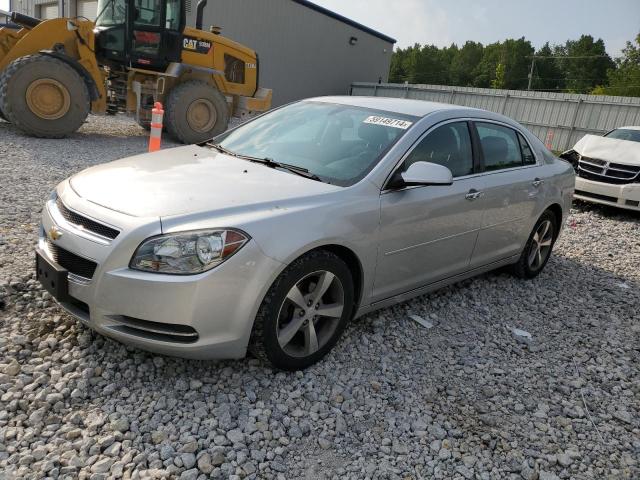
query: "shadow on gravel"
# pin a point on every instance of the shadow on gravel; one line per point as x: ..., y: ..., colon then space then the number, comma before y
x: 618, y: 214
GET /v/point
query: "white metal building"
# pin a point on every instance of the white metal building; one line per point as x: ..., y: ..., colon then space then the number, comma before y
x: 304, y: 50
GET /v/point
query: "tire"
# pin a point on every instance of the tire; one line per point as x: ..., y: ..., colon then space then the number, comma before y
x: 195, y: 112
x: 525, y: 267
x: 278, y: 312
x: 58, y: 99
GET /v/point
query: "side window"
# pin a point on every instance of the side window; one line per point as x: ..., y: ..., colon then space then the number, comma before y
x: 172, y: 21
x: 527, y: 155
x: 500, y: 146
x: 448, y: 145
x: 147, y: 12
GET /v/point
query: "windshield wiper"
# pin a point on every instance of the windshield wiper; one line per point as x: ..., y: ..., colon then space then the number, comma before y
x: 303, y: 172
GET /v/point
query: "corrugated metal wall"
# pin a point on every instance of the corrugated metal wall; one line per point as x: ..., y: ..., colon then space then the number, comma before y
x: 302, y: 52
x: 558, y: 119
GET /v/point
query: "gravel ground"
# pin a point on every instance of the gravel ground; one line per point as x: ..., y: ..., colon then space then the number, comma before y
x: 466, y: 398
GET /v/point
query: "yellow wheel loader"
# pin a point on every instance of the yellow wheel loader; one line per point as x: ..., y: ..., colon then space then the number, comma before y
x: 54, y: 72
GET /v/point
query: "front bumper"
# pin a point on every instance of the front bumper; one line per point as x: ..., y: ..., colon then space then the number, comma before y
x: 204, y: 316
x: 622, y: 196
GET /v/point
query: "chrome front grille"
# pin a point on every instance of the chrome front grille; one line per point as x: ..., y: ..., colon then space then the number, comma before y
x: 607, y: 172
x: 83, y: 223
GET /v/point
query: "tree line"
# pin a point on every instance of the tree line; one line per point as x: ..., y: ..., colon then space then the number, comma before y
x: 578, y: 66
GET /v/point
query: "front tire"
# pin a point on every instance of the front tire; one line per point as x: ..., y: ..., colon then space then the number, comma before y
x: 44, y: 96
x: 196, y: 112
x: 304, y: 312
x: 537, y: 250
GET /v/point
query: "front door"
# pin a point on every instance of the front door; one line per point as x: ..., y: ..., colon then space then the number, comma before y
x: 428, y: 233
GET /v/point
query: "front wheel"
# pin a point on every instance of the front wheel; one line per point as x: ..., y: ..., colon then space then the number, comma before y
x: 305, y: 311
x: 538, y: 248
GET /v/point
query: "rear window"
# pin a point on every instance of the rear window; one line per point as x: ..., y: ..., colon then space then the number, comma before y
x: 624, y: 134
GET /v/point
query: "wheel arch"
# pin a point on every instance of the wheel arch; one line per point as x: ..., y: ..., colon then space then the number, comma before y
x: 351, y: 259
x: 556, y: 209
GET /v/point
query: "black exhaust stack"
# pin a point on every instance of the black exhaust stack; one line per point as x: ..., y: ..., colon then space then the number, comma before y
x: 200, y: 13
x: 25, y: 20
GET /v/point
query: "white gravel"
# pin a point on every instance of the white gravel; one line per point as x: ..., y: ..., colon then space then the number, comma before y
x: 467, y: 398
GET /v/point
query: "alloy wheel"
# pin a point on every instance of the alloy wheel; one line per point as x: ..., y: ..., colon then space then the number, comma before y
x: 310, y: 313
x: 541, y: 245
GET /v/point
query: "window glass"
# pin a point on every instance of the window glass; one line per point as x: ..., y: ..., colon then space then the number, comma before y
x: 448, y: 145
x: 173, y: 15
x: 500, y: 146
x: 625, y: 134
x: 111, y: 12
x: 338, y: 143
x: 527, y: 155
x: 148, y: 12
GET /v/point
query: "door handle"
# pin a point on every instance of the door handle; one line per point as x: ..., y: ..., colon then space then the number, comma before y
x: 473, y: 194
x: 537, y: 182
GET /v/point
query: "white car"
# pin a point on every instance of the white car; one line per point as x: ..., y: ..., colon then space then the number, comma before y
x: 608, y: 168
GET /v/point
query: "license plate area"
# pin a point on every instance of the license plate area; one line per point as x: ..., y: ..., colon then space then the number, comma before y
x: 53, y: 277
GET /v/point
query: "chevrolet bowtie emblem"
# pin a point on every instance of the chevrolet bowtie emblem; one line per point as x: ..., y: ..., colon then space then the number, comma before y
x: 54, y: 233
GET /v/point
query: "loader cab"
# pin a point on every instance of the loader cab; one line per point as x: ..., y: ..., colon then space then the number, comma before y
x: 140, y: 33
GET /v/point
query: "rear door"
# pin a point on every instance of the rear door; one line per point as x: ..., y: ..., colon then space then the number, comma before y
x: 427, y: 233
x: 512, y: 187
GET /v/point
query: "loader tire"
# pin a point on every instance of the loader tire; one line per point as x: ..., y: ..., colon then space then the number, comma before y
x: 44, y: 96
x: 2, y: 95
x: 195, y: 112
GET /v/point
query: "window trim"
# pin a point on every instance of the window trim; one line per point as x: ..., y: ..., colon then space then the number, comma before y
x: 478, y: 154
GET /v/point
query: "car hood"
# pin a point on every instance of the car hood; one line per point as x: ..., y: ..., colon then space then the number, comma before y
x: 188, y: 179
x: 609, y: 149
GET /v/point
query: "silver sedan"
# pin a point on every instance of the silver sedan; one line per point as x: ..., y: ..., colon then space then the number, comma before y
x: 276, y: 234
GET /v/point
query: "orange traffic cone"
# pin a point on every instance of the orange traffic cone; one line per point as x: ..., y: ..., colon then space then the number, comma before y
x: 155, y: 134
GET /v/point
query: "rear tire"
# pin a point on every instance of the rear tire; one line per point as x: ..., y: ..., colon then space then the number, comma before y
x: 195, y: 112
x: 293, y: 335
x: 44, y: 96
x: 538, y: 248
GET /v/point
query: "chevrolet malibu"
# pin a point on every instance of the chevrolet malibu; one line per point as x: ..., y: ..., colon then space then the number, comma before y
x: 276, y: 234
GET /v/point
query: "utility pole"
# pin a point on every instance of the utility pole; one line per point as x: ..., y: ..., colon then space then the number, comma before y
x: 533, y: 62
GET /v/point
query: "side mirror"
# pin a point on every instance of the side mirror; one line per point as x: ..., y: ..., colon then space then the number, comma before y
x: 422, y: 173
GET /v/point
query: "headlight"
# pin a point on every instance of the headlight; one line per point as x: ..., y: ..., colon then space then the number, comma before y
x: 187, y: 252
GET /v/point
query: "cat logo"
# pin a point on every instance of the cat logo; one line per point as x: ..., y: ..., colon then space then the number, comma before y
x: 196, y: 45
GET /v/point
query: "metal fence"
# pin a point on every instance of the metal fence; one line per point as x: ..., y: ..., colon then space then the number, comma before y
x: 558, y: 119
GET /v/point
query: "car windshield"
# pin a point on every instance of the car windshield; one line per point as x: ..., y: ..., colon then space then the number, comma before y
x: 624, y: 134
x: 339, y: 144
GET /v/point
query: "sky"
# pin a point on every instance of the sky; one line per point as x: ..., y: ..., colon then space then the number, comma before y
x: 442, y: 22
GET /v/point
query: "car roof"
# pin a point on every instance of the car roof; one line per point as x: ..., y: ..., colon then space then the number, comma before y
x: 628, y: 128
x: 416, y: 108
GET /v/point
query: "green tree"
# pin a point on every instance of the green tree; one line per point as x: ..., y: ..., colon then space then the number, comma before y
x: 546, y: 73
x: 464, y: 63
x: 587, y: 71
x: 624, y: 79
x: 499, y: 81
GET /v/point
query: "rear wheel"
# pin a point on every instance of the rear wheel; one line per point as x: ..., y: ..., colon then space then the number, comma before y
x: 305, y: 311
x: 196, y: 112
x: 44, y: 96
x: 537, y: 251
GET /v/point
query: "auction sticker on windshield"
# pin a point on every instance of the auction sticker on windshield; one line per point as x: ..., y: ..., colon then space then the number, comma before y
x: 388, y: 122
